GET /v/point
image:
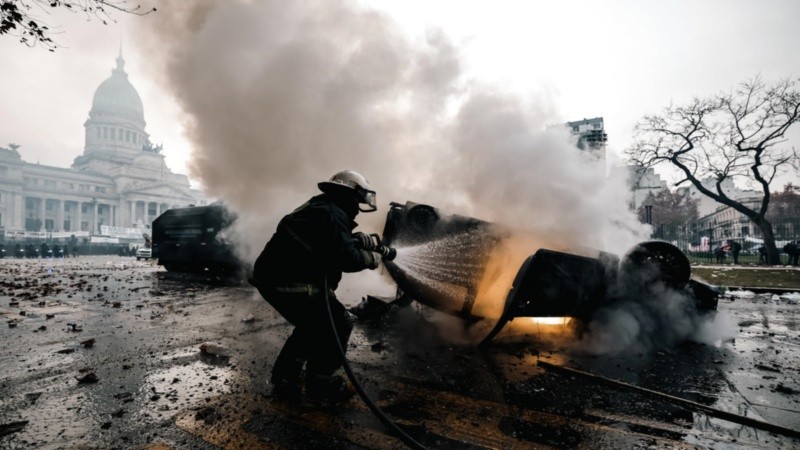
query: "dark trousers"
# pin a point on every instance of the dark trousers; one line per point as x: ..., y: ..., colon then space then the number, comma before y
x: 312, y: 340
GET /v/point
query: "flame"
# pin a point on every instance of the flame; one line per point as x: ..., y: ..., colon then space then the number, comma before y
x: 550, y: 320
x: 501, y: 269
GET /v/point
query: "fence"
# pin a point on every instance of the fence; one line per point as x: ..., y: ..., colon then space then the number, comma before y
x: 702, y: 242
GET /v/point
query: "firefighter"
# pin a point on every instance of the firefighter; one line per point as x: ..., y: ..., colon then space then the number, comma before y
x: 313, y: 243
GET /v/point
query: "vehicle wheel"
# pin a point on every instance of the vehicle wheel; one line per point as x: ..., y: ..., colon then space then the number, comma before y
x: 656, y: 260
x: 421, y: 218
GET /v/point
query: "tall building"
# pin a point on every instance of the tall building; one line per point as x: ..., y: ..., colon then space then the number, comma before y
x: 590, y: 135
x: 119, y: 181
x: 642, y: 182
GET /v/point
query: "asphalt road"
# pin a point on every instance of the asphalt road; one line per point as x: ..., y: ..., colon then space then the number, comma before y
x: 152, y: 388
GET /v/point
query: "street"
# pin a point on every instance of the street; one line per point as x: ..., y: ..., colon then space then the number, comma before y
x: 152, y: 387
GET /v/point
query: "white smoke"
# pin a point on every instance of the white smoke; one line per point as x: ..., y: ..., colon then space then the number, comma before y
x: 280, y: 95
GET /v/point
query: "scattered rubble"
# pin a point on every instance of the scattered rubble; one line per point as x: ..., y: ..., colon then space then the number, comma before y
x: 89, y: 378
x: 249, y: 319
x: 213, y: 348
x: 12, y: 427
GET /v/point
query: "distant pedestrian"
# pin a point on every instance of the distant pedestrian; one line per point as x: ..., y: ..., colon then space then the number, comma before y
x: 793, y: 250
x: 736, y: 248
x: 762, y: 254
x: 719, y: 254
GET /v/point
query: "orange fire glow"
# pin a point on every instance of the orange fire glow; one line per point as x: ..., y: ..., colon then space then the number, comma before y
x: 550, y: 320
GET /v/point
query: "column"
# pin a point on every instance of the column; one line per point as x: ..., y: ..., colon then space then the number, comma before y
x: 80, y: 216
x: 60, y: 217
x: 19, y: 211
x: 158, y: 209
x: 42, y: 212
x: 133, y: 213
x: 94, y: 218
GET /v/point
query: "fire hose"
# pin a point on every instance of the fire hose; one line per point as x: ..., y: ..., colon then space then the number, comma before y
x: 385, y: 420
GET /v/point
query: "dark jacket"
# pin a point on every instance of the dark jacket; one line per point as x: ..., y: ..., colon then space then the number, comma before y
x: 314, y: 240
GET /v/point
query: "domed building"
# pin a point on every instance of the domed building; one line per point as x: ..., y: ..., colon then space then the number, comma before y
x: 117, y: 187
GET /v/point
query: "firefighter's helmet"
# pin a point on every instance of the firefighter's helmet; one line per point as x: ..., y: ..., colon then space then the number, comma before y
x: 355, y: 182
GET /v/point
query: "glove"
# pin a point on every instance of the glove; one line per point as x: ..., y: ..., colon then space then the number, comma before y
x: 367, y: 241
x: 372, y: 259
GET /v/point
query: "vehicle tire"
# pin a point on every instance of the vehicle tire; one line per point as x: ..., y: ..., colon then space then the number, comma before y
x: 656, y: 260
x: 422, y: 218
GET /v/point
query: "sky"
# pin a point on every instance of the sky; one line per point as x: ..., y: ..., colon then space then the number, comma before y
x: 615, y: 59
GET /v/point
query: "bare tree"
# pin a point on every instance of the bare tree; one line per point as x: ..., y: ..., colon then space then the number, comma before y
x: 739, y: 135
x: 22, y: 18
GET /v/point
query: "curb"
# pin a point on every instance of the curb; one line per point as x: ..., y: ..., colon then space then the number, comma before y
x: 762, y: 290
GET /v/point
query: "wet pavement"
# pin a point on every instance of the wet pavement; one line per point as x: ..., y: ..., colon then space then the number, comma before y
x: 143, y: 382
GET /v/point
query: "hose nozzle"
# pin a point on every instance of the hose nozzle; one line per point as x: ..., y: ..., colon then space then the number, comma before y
x: 388, y: 253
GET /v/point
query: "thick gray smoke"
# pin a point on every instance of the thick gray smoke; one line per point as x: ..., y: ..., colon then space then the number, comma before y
x: 280, y: 95
x: 651, y: 317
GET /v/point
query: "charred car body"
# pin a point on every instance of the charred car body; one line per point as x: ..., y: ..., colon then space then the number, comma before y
x: 483, y: 271
x: 474, y: 269
x: 189, y: 240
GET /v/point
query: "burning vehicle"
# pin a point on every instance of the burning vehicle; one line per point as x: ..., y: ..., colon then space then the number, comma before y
x: 479, y: 270
x: 474, y: 269
x: 190, y: 240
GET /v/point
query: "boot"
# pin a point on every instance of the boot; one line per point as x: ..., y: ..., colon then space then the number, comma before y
x: 286, y: 389
x: 328, y: 389
x: 286, y: 381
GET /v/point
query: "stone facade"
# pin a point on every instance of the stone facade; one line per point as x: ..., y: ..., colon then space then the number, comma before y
x: 120, y: 180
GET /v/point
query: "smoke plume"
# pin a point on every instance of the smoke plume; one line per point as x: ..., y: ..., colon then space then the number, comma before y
x: 280, y: 95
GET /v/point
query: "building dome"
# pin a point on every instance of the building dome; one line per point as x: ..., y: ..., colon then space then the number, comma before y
x: 116, y: 96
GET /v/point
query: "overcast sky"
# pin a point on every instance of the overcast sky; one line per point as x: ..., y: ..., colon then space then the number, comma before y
x: 618, y: 60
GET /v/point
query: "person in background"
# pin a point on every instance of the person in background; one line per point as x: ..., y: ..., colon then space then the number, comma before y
x: 719, y: 254
x: 735, y: 249
x: 793, y: 250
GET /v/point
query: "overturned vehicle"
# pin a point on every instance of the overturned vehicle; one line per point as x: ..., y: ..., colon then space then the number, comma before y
x: 479, y: 270
x: 191, y: 240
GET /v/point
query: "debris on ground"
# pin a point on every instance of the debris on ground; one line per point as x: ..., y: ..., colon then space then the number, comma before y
x: 89, y: 378
x: 249, y: 319
x: 89, y: 343
x: 783, y: 389
x: 768, y: 368
x: 126, y: 397
x: 208, y: 415
x: 13, y: 427
x: 213, y: 348
x: 378, y: 347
